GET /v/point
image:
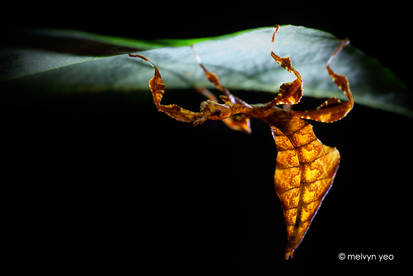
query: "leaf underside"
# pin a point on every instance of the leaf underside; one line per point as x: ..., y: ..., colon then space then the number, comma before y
x: 240, y: 60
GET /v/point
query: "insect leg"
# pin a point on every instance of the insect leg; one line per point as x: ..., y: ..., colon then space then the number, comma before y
x: 238, y: 122
x: 157, y: 88
x: 213, y: 78
x: 210, y: 109
x: 291, y: 92
x: 332, y: 109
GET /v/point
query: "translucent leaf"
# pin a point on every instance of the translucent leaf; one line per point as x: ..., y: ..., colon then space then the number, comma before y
x: 241, y: 60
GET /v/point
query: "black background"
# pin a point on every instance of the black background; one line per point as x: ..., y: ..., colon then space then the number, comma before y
x: 108, y: 182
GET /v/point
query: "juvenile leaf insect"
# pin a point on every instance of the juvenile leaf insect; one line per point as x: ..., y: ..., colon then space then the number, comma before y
x: 305, y: 168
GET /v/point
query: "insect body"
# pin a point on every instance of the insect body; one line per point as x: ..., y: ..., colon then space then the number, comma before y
x: 305, y: 168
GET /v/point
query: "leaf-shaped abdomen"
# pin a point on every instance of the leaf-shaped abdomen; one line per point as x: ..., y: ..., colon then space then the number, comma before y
x: 305, y: 169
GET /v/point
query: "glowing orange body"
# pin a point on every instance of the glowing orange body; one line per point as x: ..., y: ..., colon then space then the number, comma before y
x: 305, y: 168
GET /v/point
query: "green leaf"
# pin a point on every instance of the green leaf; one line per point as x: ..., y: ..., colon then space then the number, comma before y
x: 242, y: 61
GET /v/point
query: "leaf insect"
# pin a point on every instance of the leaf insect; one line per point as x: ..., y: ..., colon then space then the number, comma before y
x: 305, y: 168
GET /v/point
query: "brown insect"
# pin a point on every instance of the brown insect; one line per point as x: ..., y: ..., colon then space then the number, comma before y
x: 305, y: 168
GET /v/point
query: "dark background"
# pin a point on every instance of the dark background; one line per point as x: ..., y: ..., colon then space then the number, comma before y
x: 108, y: 182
